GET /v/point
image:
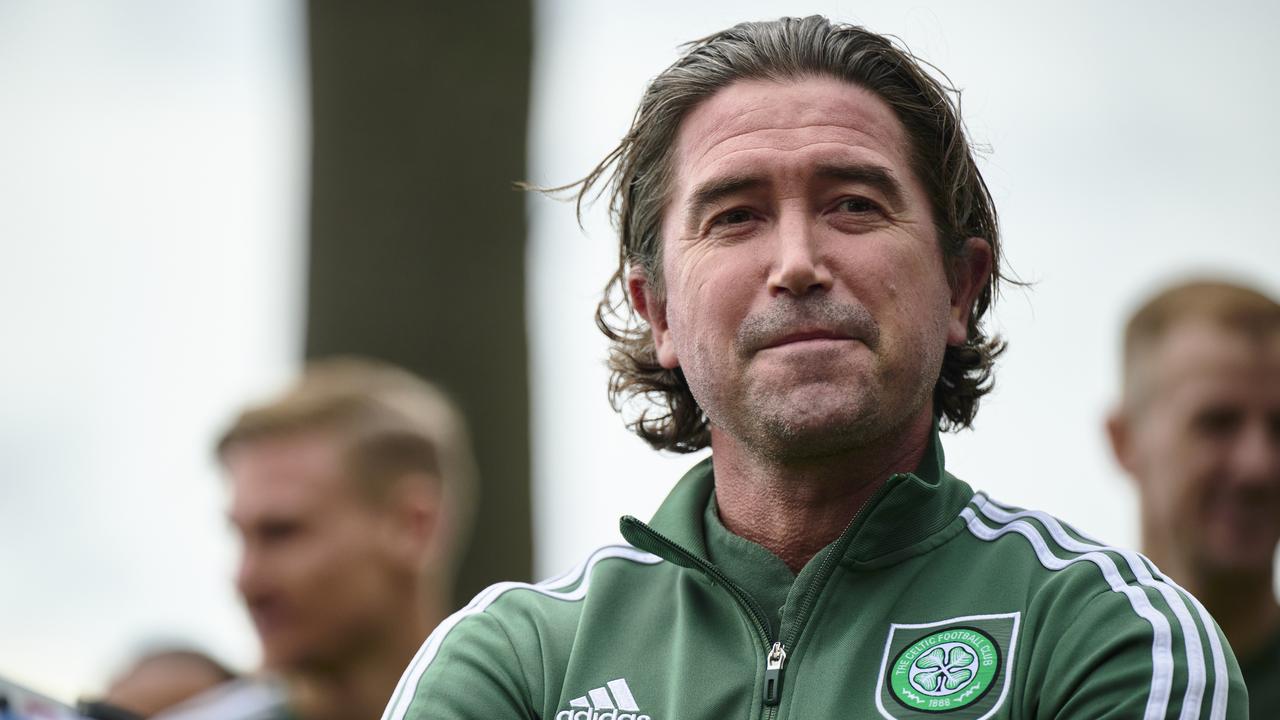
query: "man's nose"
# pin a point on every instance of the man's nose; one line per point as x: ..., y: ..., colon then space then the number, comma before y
x: 248, y: 572
x: 1256, y: 455
x: 799, y: 267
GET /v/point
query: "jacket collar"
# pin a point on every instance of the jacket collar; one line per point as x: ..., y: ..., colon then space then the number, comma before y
x: 906, y: 511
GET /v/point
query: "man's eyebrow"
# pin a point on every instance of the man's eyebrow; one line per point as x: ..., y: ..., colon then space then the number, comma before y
x: 716, y: 189
x: 713, y: 191
x: 872, y: 175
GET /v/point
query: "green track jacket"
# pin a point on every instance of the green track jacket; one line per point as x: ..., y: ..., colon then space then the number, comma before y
x: 935, y: 602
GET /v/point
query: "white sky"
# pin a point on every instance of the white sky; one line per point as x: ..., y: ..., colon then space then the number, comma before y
x: 154, y: 184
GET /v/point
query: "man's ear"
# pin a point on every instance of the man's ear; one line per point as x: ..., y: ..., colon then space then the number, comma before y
x: 1120, y: 434
x: 971, y: 270
x: 413, y: 509
x: 652, y: 306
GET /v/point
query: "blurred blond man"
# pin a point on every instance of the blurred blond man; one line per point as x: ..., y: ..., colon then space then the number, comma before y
x: 350, y: 494
x: 1198, y: 429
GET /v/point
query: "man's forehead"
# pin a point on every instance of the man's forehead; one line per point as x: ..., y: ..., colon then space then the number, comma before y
x: 750, y: 114
x: 298, y: 469
x: 1196, y: 355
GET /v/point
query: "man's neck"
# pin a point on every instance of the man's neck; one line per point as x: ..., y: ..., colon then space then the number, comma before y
x: 794, y: 510
x: 1244, y: 604
x: 360, y: 687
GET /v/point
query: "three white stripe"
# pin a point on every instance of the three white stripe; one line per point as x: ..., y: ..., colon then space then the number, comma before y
x: 402, y: 698
x: 602, y: 700
x: 1175, y: 597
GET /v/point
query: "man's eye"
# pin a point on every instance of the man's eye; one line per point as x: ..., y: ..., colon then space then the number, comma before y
x: 858, y: 205
x: 1218, y: 421
x: 734, y: 217
x: 279, y: 531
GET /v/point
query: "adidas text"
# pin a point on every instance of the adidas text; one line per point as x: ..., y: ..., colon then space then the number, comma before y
x: 598, y: 715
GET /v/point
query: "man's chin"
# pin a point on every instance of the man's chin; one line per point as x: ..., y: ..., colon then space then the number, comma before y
x: 1240, y: 559
x: 808, y: 434
x: 286, y: 657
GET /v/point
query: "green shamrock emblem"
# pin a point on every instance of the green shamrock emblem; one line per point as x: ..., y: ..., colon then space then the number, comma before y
x: 944, y: 669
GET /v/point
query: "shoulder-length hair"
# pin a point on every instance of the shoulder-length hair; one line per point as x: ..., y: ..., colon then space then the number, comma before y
x: 637, y: 175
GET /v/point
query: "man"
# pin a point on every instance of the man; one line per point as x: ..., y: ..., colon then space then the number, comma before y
x: 157, y: 681
x: 1198, y: 429
x: 808, y: 250
x: 349, y: 493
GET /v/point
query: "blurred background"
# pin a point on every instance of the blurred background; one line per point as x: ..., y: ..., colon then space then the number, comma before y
x: 197, y: 196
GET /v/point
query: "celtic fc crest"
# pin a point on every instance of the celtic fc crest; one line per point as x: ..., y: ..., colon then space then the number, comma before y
x: 959, y: 666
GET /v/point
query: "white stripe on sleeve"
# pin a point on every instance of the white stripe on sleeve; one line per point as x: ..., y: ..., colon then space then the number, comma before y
x: 402, y: 698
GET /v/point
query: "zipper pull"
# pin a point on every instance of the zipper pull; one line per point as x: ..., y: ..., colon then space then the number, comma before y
x: 773, y: 674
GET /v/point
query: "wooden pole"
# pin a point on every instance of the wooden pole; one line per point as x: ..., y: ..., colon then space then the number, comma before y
x: 417, y: 239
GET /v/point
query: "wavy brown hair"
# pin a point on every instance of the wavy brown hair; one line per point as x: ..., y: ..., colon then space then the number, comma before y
x: 637, y: 175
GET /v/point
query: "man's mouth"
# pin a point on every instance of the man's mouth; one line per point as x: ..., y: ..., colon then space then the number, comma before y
x: 820, y: 323
x: 268, y: 615
x: 806, y: 336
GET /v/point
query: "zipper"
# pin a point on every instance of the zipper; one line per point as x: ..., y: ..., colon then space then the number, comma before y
x: 776, y: 660
x: 773, y: 663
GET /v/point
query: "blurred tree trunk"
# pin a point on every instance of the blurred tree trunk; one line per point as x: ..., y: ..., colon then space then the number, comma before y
x: 417, y: 237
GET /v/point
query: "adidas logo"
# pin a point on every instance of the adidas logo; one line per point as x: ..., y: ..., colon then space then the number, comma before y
x: 611, y: 702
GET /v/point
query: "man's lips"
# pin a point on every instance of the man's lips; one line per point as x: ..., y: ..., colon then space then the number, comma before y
x: 267, y: 614
x: 801, y: 336
x: 818, y: 322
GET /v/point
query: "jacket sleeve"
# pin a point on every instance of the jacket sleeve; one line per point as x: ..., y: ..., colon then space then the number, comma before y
x: 467, y: 669
x: 1149, y: 653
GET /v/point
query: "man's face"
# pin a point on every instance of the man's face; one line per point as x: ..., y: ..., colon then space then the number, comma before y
x: 806, y: 299
x: 316, y: 571
x: 1204, y: 447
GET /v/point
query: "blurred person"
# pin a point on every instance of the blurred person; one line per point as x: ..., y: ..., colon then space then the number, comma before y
x: 807, y: 253
x: 157, y: 681
x: 1198, y: 430
x: 350, y: 492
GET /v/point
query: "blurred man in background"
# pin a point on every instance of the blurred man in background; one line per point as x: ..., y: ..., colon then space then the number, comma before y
x: 1198, y: 428
x: 157, y: 681
x: 350, y: 492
